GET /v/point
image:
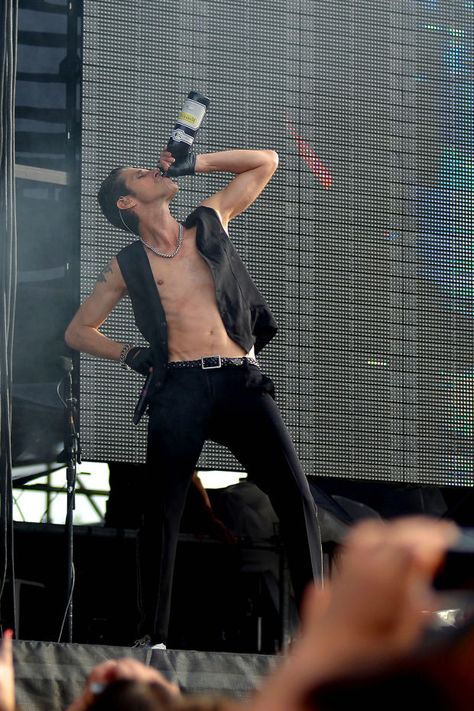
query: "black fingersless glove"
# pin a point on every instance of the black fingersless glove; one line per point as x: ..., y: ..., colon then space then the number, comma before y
x: 139, y: 358
x: 183, y: 166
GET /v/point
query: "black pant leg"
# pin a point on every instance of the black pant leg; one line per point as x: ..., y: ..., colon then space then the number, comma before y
x: 250, y: 424
x: 176, y: 433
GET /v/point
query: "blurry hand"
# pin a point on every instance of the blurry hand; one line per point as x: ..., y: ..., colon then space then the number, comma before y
x: 380, y: 597
x: 113, y: 670
x: 7, y: 679
x: 373, y: 611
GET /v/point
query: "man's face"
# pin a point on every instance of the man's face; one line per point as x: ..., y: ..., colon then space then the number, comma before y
x: 148, y: 186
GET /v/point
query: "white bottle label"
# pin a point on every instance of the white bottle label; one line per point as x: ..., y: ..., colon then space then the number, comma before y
x: 192, y: 114
x: 180, y: 136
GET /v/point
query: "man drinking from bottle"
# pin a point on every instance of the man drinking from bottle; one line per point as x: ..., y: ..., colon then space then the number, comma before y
x: 205, y: 322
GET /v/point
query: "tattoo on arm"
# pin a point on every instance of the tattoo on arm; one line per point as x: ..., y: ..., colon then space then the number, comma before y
x: 103, y: 275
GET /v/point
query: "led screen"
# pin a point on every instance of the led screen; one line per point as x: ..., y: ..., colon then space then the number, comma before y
x: 362, y: 243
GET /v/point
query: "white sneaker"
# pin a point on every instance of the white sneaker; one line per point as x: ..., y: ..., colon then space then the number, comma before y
x: 146, y: 643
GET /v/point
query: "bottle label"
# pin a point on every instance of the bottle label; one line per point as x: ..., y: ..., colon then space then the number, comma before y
x: 180, y: 136
x: 192, y: 114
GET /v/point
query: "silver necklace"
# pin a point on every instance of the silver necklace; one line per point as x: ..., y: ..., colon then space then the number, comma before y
x: 168, y: 255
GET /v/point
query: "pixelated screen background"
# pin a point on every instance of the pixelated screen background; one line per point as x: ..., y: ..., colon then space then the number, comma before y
x: 362, y: 243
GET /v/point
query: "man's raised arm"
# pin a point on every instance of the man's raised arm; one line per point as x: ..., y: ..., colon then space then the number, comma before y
x: 253, y: 170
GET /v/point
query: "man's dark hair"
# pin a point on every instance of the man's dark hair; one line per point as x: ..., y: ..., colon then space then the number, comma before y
x: 111, y: 189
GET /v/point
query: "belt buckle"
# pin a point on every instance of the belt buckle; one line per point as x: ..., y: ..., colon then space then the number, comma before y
x: 211, y: 367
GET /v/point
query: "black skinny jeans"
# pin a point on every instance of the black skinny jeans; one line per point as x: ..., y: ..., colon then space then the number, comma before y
x: 232, y: 406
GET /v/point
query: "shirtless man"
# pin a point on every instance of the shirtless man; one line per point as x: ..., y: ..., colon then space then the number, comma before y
x: 204, y: 319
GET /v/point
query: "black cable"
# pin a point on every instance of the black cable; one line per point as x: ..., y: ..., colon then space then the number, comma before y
x: 68, y: 603
x: 3, y: 467
x: 13, y: 294
x: 8, y: 276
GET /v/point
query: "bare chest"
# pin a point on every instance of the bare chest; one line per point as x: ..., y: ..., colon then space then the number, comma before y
x: 186, y: 276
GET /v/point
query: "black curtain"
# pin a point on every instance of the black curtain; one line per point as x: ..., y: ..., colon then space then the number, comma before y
x: 8, y: 277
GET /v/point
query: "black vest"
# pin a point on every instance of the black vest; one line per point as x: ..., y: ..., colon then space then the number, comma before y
x: 244, y: 312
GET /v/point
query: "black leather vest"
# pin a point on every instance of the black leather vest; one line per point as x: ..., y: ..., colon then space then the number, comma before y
x: 244, y: 312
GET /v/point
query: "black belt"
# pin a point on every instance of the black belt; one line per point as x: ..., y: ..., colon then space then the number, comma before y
x: 212, y: 362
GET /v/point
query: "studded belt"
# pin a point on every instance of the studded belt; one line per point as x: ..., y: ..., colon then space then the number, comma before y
x: 212, y: 362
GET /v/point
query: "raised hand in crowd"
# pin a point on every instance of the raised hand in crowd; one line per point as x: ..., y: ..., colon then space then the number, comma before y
x: 114, y: 670
x: 7, y: 679
x: 373, y: 612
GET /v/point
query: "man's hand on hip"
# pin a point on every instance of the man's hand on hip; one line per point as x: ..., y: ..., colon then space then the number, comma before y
x: 140, y: 359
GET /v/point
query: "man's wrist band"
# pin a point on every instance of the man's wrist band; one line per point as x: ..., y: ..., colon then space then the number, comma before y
x: 123, y: 354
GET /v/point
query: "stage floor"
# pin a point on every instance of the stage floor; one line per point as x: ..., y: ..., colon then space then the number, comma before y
x: 50, y: 675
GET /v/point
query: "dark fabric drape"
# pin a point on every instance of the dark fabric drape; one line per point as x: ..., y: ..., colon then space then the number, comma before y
x: 8, y: 270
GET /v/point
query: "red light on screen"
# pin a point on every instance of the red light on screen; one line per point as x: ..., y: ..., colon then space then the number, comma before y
x: 315, y: 164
